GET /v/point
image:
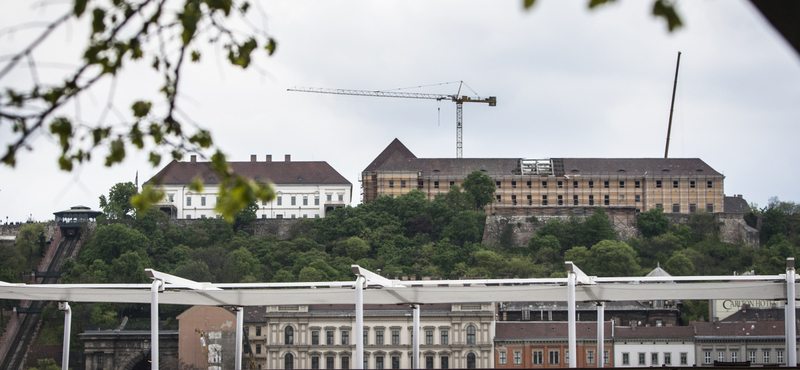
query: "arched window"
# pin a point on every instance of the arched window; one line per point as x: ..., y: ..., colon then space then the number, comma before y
x: 288, y: 335
x: 470, y: 335
x: 288, y: 361
x: 470, y: 361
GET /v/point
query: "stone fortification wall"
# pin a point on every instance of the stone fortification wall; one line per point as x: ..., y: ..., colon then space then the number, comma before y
x: 283, y: 228
x: 12, y: 229
x: 514, y: 231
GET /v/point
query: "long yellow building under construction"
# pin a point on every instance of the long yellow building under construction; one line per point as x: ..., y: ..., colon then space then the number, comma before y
x: 678, y: 185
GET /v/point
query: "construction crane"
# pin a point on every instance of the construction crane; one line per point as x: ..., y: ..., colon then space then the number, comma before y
x: 457, y: 98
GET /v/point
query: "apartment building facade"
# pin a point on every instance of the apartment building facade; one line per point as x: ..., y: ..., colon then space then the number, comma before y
x: 678, y: 185
x: 303, y: 189
x: 546, y: 345
x: 323, y: 337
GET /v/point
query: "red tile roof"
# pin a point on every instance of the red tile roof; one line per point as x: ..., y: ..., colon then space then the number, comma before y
x: 739, y: 329
x: 285, y: 173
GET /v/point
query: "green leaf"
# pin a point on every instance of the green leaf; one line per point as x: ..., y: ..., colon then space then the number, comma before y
x: 154, y: 159
x: 136, y: 136
x: 64, y: 163
x: 202, y: 138
x: 245, y: 7
x: 195, y: 56
x: 156, y: 133
x: 666, y: 10
x: 117, y: 152
x: 79, y: 8
x: 99, y: 134
x: 9, y: 158
x: 63, y: 128
x: 529, y: 3
x: 224, y: 5
x: 239, y: 55
x: 595, y: 3
x: 189, y: 18
x: 149, y: 196
x: 98, y: 20
x: 271, y: 45
x: 141, y: 108
x: 196, y: 185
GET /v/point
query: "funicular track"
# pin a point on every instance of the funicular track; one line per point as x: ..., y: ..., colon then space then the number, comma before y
x: 29, y: 321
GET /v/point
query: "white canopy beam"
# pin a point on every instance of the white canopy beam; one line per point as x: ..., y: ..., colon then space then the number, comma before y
x: 791, y: 322
x: 64, y: 306
x: 415, y: 354
x: 239, y: 329
x: 600, y: 334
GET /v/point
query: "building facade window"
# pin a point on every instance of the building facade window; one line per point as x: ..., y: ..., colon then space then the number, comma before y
x: 395, y: 362
x: 395, y: 337
x: 288, y: 335
x: 366, y: 337
x: 329, y: 362
x: 637, y: 184
x: 780, y: 356
x: 391, y: 183
x: 560, y: 184
x: 734, y: 356
x: 258, y: 331
x: 514, y: 200
x: 709, y: 184
x: 315, y: 337
x: 642, y: 359
x: 279, y: 200
x: 294, y: 200
x: 379, y: 362
x: 591, y: 200
x: 471, y: 360
x: 444, y: 362
x: 658, y: 183
x: 444, y: 340
x: 766, y: 356
x: 622, y: 184
x: 544, y: 184
x: 684, y: 358
x: 329, y: 197
x: 189, y: 201
x: 590, y: 357
x: 591, y: 184
x: 470, y: 334
x: 499, y: 198
x: 305, y: 200
x: 752, y: 357
x: 429, y: 337
x: 502, y: 357
x: 258, y: 349
x: 692, y: 184
x: 606, y: 358
x: 605, y: 184
x: 710, y: 208
x: 626, y: 358
x: 202, y: 201
x: 345, y: 362
x: 329, y: 337
x: 529, y: 184
x: 667, y: 358
x: 498, y: 184
x: 435, y: 184
x: 517, y: 357
x: 315, y: 362
x: 341, y: 197
x: 513, y: 184
x: 676, y: 208
x: 544, y: 200
x: 288, y: 361
x: 637, y: 198
x: 402, y: 183
x: 675, y: 184
x: 575, y: 184
x: 379, y: 337
x: 345, y: 338
x: 606, y: 199
x: 574, y: 200
x: 560, y: 200
x: 553, y: 354
x: 538, y: 357
x: 707, y: 357
x: 429, y: 362
x: 316, y: 200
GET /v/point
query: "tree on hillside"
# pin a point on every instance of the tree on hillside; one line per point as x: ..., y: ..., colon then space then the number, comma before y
x: 597, y: 228
x: 245, y: 217
x: 653, y: 222
x: 118, y: 205
x: 480, y: 187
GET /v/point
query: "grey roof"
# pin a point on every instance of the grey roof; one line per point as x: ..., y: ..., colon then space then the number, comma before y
x: 396, y: 157
x: 658, y: 272
x: 276, y: 172
x: 736, y: 204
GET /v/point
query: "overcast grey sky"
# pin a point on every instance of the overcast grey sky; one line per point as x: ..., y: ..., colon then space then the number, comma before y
x: 569, y: 83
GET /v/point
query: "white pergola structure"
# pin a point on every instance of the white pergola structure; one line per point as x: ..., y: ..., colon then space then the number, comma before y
x: 576, y: 287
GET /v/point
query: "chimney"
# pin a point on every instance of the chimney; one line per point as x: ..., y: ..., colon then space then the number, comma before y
x: 252, y: 157
x: 193, y: 158
x: 288, y: 158
x: 269, y: 157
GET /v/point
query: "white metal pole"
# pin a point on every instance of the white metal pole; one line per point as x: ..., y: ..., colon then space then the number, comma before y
x: 600, y: 334
x: 239, y: 329
x: 571, y: 318
x: 154, y: 324
x: 791, y: 332
x: 64, y: 306
x: 359, y: 334
x: 415, y: 356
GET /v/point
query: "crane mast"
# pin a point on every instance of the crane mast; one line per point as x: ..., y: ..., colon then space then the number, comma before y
x: 459, y: 100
